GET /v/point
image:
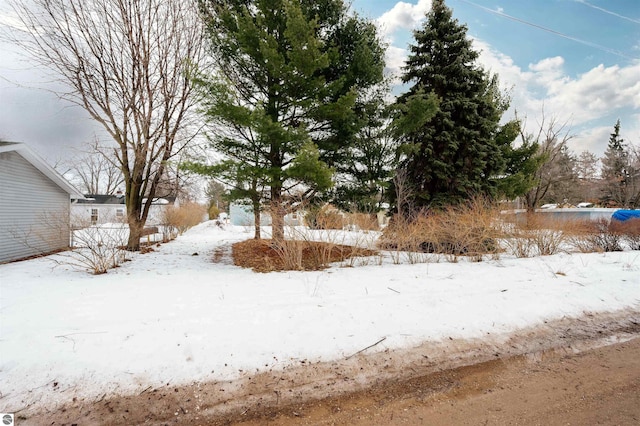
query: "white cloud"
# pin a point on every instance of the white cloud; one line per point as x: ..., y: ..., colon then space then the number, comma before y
x: 403, y: 15
x: 585, y: 102
x: 592, y: 139
x: 395, y: 59
x: 581, y: 101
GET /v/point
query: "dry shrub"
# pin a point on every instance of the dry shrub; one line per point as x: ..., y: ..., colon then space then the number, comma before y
x: 177, y: 219
x: 629, y: 230
x: 325, y: 217
x: 287, y: 255
x: 97, y: 248
x: 542, y: 234
x: 214, y: 212
x: 467, y: 229
x: 362, y: 221
x: 597, y: 236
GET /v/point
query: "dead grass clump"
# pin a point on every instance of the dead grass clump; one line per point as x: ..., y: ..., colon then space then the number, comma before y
x: 325, y: 217
x: 467, y: 230
x: 292, y: 255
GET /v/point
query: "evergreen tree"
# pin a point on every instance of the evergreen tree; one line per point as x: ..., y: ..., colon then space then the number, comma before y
x: 615, y: 170
x: 615, y: 159
x: 285, y: 101
x: 364, y: 178
x: 522, y: 163
x: 460, y: 151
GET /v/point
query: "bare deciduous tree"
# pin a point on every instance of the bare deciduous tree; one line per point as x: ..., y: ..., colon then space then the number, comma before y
x: 128, y: 64
x: 93, y: 171
x: 587, y: 171
x: 552, y: 138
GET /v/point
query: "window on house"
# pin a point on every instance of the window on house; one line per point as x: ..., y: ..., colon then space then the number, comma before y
x: 119, y: 213
x: 94, y: 216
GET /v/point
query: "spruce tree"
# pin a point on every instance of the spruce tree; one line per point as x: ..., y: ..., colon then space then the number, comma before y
x: 615, y: 159
x: 460, y: 152
x: 615, y: 170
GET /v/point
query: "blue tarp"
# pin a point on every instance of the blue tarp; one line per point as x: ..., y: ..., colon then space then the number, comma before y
x: 623, y: 215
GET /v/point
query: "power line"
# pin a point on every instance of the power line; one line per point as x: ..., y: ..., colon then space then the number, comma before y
x: 549, y: 30
x: 586, y: 3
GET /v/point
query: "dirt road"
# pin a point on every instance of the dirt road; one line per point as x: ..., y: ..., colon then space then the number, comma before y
x: 574, y: 371
x: 597, y: 387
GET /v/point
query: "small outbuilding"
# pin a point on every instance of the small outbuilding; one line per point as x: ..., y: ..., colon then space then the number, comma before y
x: 35, y: 204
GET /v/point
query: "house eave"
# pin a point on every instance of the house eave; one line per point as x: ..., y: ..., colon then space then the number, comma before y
x: 42, y: 166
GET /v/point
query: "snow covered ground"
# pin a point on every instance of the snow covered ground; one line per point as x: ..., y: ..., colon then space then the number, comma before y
x: 176, y: 316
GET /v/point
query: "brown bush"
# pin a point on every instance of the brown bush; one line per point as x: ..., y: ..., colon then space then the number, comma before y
x: 467, y: 229
x: 550, y: 235
x: 177, y: 219
x: 629, y: 230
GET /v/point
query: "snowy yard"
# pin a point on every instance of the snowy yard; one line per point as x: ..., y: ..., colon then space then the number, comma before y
x: 176, y: 316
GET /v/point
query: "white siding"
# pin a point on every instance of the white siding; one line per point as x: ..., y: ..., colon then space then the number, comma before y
x: 108, y: 213
x: 34, y: 211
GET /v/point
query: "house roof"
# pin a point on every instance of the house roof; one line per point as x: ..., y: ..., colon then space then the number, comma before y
x: 120, y: 200
x: 102, y: 199
x: 42, y: 166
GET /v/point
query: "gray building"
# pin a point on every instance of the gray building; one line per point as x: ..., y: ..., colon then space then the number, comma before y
x: 35, y: 202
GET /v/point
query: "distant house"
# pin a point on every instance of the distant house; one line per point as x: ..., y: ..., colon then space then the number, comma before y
x: 242, y: 215
x: 34, y: 206
x: 98, y: 209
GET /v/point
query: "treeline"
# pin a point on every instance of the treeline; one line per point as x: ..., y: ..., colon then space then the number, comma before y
x: 298, y: 110
x: 568, y: 179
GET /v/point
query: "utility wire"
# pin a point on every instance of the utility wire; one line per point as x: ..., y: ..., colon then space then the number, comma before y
x: 549, y: 30
x: 586, y: 3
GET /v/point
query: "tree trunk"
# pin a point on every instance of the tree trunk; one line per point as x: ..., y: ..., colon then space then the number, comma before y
x: 256, y: 219
x: 277, y: 215
x: 136, y: 227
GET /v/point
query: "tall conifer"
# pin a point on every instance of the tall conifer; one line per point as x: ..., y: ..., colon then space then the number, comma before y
x: 461, y: 151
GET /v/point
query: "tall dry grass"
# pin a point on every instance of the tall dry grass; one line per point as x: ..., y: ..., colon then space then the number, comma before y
x: 464, y: 230
x: 178, y: 219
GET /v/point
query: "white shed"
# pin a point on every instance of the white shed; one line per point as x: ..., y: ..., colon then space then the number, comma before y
x: 34, y: 204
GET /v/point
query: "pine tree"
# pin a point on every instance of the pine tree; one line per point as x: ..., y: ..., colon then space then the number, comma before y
x: 285, y: 103
x: 459, y: 152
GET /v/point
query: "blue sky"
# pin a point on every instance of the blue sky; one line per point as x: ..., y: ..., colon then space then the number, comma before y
x: 581, y: 68
x: 587, y: 76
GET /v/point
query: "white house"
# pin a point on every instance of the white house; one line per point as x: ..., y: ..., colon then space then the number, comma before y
x: 34, y: 206
x: 97, y: 209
